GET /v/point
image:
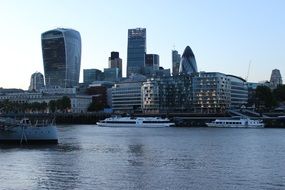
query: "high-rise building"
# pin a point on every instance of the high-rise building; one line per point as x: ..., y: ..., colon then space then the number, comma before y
x: 188, y: 62
x: 151, y: 64
x: 275, y: 79
x: 176, y: 57
x: 136, y: 51
x: 116, y: 62
x: 61, y: 50
x: 91, y: 75
x: 37, y: 81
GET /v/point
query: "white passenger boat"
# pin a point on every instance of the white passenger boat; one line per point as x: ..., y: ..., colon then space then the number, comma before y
x: 236, y: 123
x: 24, y: 132
x: 135, y: 122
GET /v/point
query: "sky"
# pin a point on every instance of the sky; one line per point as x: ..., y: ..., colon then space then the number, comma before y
x: 239, y: 37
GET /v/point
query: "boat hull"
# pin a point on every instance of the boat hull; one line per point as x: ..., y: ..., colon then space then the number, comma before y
x: 29, y: 135
x: 234, y: 126
x: 100, y: 124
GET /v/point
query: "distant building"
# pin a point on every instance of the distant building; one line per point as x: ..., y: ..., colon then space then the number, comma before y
x: 91, y: 75
x: 211, y: 92
x: 151, y: 64
x: 37, y: 81
x: 188, y: 62
x: 275, y: 79
x: 116, y: 62
x: 167, y: 94
x: 111, y: 74
x: 176, y: 57
x: 239, y: 92
x: 126, y: 95
x: 136, y: 51
x: 61, y: 50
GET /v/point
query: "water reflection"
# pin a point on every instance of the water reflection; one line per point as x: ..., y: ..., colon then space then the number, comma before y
x: 88, y: 157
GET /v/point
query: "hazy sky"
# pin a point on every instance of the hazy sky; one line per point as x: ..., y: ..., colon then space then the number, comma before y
x: 225, y: 35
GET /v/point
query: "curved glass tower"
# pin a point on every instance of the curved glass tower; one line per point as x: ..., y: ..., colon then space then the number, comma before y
x: 188, y: 62
x: 61, y: 50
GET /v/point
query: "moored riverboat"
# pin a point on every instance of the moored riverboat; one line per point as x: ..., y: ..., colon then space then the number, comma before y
x: 136, y: 122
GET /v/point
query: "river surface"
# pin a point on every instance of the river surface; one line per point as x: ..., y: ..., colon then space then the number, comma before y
x: 90, y: 157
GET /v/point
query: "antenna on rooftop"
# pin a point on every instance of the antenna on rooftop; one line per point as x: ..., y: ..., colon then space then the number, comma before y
x: 247, y: 75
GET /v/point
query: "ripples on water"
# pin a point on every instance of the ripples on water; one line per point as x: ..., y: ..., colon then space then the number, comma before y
x: 90, y: 157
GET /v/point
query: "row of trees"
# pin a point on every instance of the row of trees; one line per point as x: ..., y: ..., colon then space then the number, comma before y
x: 63, y: 104
x: 266, y: 99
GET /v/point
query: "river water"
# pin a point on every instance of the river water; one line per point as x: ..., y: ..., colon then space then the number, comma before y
x: 90, y: 157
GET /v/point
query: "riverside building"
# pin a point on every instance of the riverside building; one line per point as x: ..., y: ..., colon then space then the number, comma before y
x: 126, y: 95
x: 211, y: 92
x: 239, y: 92
x: 167, y: 94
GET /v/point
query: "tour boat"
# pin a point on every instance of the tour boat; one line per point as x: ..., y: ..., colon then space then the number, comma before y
x: 24, y: 132
x: 135, y: 122
x: 236, y: 123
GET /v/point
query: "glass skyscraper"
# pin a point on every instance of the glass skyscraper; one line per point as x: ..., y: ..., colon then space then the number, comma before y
x: 61, y: 50
x: 188, y: 63
x: 136, y: 51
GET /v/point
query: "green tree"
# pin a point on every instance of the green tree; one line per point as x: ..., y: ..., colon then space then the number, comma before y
x: 264, y: 99
x: 52, y: 106
x: 65, y: 103
x: 95, y: 106
x: 279, y: 93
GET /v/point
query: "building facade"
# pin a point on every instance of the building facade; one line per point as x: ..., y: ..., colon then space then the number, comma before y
x: 239, y: 92
x: 91, y: 75
x: 126, y: 95
x: 151, y: 64
x: 61, y: 49
x: 116, y: 62
x: 111, y: 74
x: 211, y: 92
x: 167, y: 94
x: 176, y: 57
x: 37, y: 82
x: 136, y: 51
x: 188, y: 63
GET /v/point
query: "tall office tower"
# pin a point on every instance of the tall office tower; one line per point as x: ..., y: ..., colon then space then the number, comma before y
x: 116, y: 62
x: 176, y: 57
x: 61, y: 56
x: 91, y: 75
x: 37, y: 81
x: 188, y: 62
x: 275, y: 79
x: 136, y: 51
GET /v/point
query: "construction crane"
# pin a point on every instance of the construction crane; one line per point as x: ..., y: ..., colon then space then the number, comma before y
x: 247, y: 75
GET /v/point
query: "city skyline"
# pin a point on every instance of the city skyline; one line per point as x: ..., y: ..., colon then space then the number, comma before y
x: 225, y: 36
